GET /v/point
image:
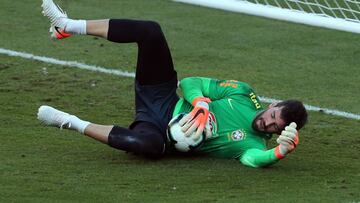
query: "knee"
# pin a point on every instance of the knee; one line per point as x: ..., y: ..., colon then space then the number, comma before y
x: 153, y: 149
x: 153, y: 31
x: 148, y: 145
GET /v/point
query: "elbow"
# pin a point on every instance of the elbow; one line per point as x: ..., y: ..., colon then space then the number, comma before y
x: 185, y: 80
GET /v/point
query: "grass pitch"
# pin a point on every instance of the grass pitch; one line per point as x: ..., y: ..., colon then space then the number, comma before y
x: 279, y: 59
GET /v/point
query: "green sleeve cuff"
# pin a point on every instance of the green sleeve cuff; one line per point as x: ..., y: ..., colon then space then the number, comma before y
x: 258, y: 158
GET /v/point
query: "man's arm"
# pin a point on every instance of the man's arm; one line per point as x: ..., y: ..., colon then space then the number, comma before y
x: 194, y: 87
x: 196, y: 91
x: 288, y: 140
x: 200, y: 91
x: 259, y: 158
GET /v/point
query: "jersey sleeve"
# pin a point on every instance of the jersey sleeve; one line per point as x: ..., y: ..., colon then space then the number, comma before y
x: 193, y: 87
x: 259, y: 158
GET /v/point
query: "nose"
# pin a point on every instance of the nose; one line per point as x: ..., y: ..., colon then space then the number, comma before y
x: 268, y: 123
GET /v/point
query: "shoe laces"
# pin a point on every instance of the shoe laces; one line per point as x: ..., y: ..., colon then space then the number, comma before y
x: 64, y: 122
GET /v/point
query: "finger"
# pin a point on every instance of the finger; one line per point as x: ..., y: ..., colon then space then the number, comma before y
x: 287, y: 140
x: 184, y: 120
x: 293, y: 124
x: 188, y: 122
x: 208, y: 133
x: 289, y: 134
x: 191, y: 130
x: 198, y: 133
x: 291, y: 129
x: 187, y: 126
x: 282, y: 139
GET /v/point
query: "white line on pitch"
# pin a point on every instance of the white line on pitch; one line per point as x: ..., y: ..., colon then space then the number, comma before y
x: 66, y: 63
x: 319, y: 109
x: 130, y: 74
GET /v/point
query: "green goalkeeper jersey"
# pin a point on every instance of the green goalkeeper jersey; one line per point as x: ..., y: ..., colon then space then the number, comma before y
x: 232, y: 110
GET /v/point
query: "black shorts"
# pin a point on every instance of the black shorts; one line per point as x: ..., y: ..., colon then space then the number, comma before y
x: 155, y: 104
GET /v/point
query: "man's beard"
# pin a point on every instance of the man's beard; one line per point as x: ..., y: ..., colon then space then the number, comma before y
x: 254, y: 124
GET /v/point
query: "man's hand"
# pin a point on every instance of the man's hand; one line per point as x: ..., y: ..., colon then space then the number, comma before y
x: 288, y: 140
x: 197, y: 118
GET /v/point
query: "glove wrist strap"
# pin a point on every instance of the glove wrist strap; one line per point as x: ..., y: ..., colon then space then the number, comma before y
x: 278, y: 154
x: 200, y: 99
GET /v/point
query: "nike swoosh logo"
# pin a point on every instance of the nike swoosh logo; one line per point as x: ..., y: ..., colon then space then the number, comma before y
x: 229, y: 101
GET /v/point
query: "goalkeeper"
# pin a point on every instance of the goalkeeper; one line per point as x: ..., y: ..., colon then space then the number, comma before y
x: 236, y: 124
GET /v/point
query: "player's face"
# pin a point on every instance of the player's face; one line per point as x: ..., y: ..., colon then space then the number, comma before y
x: 269, y: 120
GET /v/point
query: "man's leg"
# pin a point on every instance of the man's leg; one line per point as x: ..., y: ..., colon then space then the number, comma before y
x: 98, y: 132
x: 154, y: 66
x: 154, y: 63
x: 98, y: 28
x: 144, y: 139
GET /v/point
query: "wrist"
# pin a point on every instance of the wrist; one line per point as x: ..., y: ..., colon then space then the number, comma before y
x: 202, y: 105
x: 279, y: 153
x: 200, y: 99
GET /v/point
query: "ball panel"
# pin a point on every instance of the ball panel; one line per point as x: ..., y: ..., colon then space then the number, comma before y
x: 178, y: 139
x: 182, y: 146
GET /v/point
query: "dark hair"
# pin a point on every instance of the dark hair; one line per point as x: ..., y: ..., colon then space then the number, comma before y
x: 293, y: 111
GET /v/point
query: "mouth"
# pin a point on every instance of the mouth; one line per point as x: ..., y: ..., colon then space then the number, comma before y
x: 259, y: 123
x: 263, y: 124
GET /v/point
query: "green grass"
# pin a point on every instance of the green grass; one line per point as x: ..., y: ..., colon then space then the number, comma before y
x: 278, y: 59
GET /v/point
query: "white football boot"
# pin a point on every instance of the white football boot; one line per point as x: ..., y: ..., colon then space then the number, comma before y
x: 53, y: 117
x: 58, y: 19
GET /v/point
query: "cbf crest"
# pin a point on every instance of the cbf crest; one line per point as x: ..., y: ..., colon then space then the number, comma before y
x: 238, y: 135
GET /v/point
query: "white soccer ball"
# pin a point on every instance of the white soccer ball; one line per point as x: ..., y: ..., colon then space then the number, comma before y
x: 178, y: 139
